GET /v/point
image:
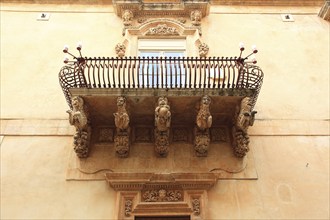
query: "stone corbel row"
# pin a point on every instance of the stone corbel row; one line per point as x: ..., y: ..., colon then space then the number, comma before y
x: 78, y: 117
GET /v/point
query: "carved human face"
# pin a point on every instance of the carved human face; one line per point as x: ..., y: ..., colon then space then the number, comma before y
x: 77, y: 102
x: 120, y: 101
x: 162, y: 101
x: 206, y: 100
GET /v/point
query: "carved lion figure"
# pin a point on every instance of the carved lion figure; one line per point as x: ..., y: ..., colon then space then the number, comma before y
x: 204, y: 117
x: 78, y: 116
x: 121, y: 116
x: 162, y: 115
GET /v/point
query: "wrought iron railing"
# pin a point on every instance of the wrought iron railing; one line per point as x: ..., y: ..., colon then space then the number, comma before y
x: 161, y: 73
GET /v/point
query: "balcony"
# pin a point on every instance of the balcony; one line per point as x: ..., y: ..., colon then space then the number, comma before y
x: 157, y: 100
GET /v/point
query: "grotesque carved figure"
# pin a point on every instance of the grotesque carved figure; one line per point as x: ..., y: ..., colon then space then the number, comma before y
x: 120, y: 49
x: 203, y: 49
x: 196, y: 17
x: 202, y: 142
x: 123, y: 131
x: 162, y: 115
x: 245, y: 118
x: 78, y: 117
x: 127, y: 17
x: 162, y: 123
x: 121, y: 116
x: 204, y: 117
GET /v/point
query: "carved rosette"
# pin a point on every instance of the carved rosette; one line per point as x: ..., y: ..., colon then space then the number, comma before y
x: 196, y: 205
x: 122, y: 136
x: 120, y: 49
x: 244, y: 119
x: 162, y: 124
x: 78, y: 117
x: 203, y: 49
x: 196, y: 17
x: 162, y: 195
x: 162, y: 29
x: 127, y: 17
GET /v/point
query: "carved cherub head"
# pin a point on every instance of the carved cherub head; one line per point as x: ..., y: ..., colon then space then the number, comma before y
x: 120, y: 49
x: 162, y: 101
x: 196, y: 17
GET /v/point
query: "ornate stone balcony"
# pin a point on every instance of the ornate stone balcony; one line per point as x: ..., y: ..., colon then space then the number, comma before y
x: 158, y: 100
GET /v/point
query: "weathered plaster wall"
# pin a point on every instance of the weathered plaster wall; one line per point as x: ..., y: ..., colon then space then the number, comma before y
x: 289, y: 140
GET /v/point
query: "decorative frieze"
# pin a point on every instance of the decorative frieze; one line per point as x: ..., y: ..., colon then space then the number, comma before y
x: 78, y: 117
x: 162, y: 195
x: 162, y: 29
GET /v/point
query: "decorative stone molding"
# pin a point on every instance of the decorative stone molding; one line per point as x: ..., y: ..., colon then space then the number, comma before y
x: 120, y: 49
x: 78, y: 117
x: 204, y: 117
x: 325, y: 11
x: 161, y: 194
x: 122, y: 136
x: 203, y: 49
x: 244, y: 119
x: 162, y: 29
x: 196, y: 17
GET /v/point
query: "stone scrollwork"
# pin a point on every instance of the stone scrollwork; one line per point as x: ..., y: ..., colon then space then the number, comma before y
x: 196, y: 205
x: 127, y: 17
x: 162, y: 124
x: 128, y: 207
x: 78, y: 117
x: 120, y: 49
x: 122, y: 136
x: 203, y: 49
x: 162, y: 195
x: 196, y: 17
x: 244, y: 119
x: 204, y: 122
x: 162, y: 29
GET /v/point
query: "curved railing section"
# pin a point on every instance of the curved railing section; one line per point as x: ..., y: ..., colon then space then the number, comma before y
x: 160, y: 72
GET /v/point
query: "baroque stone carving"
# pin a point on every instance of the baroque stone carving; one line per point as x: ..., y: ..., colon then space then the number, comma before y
x: 162, y: 195
x: 127, y: 17
x: 204, y: 122
x: 244, y: 119
x: 196, y: 17
x: 105, y: 135
x: 196, y: 206
x: 162, y: 29
x: 120, y: 49
x: 78, y: 117
x: 203, y: 50
x: 219, y: 134
x: 128, y: 207
x: 204, y: 118
x: 180, y: 134
x: 162, y: 124
x: 122, y: 128
x: 143, y: 134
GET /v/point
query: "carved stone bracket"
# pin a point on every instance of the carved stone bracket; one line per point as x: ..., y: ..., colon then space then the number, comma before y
x: 162, y: 124
x: 78, y: 117
x: 244, y: 119
x: 127, y: 17
x: 204, y: 122
x: 196, y: 17
x: 122, y: 136
x: 325, y: 11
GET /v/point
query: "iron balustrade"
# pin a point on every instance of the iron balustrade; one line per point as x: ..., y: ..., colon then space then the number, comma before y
x: 160, y: 73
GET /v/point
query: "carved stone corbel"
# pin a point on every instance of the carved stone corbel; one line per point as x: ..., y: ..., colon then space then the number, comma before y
x: 204, y: 122
x: 196, y: 17
x: 127, y: 17
x: 244, y: 119
x: 122, y: 136
x: 78, y: 117
x: 162, y: 124
x: 196, y: 205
